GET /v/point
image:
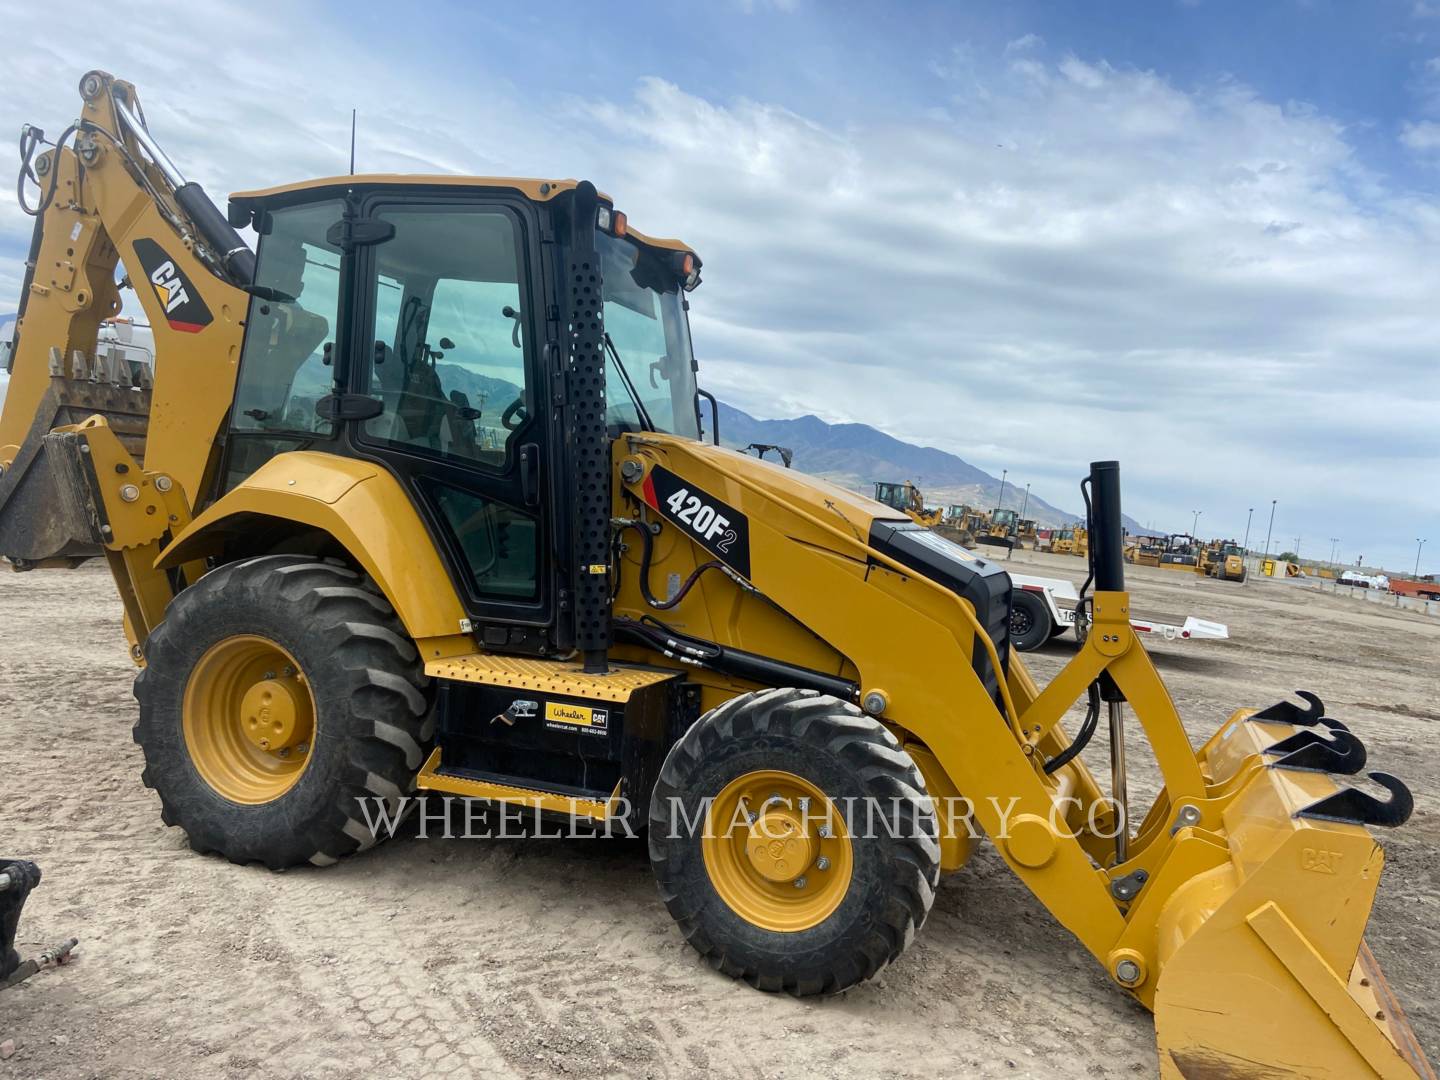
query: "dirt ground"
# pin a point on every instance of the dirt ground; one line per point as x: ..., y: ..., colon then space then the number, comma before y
x: 540, y: 957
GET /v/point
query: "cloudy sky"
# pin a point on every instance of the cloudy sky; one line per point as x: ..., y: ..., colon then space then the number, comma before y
x: 1200, y: 237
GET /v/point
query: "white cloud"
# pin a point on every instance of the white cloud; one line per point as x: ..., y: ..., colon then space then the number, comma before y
x: 1050, y: 263
x: 1423, y: 136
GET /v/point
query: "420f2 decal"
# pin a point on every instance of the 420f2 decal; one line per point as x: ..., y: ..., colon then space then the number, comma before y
x: 716, y: 526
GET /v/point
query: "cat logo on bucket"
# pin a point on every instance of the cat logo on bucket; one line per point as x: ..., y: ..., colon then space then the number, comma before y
x: 562, y: 716
x: 184, y: 309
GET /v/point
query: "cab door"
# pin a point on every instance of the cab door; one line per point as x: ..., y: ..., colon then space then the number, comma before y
x: 447, y: 321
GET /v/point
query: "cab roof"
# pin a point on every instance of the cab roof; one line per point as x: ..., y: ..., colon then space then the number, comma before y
x: 535, y: 189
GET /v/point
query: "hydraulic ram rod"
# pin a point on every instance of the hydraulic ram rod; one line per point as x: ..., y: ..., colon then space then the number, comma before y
x: 234, y: 254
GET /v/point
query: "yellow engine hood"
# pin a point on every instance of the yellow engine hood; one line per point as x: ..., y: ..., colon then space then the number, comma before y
x: 785, y: 486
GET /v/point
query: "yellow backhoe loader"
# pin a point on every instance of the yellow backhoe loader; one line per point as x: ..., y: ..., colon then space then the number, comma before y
x: 419, y: 499
x: 1071, y: 541
x: 907, y: 499
x: 962, y: 524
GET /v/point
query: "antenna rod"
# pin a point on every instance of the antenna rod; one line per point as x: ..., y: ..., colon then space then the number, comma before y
x: 352, y: 142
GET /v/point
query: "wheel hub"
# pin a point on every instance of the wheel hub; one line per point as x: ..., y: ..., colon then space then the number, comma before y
x: 777, y: 851
x: 273, y: 713
x: 248, y: 719
x: 780, y: 847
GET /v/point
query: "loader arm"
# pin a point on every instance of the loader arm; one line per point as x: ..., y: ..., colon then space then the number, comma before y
x: 1241, y: 894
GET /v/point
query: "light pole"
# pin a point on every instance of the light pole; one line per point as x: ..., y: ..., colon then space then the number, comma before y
x: 1001, y: 501
x: 1334, y: 543
x: 1297, y: 548
x: 1195, y: 523
x: 1270, y: 527
x: 1026, y: 504
x: 1420, y: 544
x: 1245, y: 547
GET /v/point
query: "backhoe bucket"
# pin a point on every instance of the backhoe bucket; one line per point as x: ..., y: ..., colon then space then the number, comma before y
x: 41, y: 521
x: 1263, y: 967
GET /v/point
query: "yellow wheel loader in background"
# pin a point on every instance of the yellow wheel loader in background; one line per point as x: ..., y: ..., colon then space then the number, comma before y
x: 419, y: 499
x: 1222, y: 559
x: 1000, y: 529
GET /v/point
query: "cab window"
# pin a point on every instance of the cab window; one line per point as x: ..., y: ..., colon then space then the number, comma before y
x: 283, y: 369
x: 448, y: 354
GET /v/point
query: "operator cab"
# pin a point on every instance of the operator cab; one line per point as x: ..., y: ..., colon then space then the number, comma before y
x: 416, y: 322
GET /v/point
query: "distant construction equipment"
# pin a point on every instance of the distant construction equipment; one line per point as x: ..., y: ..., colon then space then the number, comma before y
x: 906, y: 498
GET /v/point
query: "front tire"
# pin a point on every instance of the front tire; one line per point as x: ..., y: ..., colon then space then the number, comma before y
x: 830, y: 878
x: 278, y: 693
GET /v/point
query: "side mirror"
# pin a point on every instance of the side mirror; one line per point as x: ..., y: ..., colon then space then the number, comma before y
x: 446, y: 343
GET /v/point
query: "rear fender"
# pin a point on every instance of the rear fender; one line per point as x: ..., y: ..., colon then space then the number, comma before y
x: 362, y: 507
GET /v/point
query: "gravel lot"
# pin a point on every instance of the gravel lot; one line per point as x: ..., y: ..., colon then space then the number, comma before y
x: 536, y: 958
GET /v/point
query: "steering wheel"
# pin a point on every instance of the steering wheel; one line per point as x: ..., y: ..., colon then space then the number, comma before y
x: 514, y: 415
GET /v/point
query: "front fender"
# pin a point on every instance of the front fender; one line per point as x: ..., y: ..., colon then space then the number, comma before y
x: 359, y: 504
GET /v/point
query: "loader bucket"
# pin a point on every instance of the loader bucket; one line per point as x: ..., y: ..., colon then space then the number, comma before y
x: 1263, y: 967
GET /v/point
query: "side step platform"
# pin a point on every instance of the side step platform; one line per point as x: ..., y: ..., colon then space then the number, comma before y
x: 549, y: 736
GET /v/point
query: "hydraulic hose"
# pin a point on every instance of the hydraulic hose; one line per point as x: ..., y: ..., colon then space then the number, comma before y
x: 1083, y: 736
x: 752, y: 667
x: 30, y: 140
x: 647, y: 544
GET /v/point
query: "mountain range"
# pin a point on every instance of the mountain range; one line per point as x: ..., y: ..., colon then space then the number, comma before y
x: 857, y: 455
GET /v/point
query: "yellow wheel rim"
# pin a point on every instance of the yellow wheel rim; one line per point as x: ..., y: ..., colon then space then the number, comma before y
x: 777, y: 851
x: 248, y: 719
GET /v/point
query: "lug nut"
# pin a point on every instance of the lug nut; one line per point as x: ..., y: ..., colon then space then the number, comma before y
x: 824, y: 832
x: 822, y: 863
x: 799, y: 883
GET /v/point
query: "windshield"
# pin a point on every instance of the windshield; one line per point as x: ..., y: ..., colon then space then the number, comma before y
x: 645, y: 318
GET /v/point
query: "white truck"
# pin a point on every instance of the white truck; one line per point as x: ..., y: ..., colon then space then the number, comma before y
x: 1043, y: 608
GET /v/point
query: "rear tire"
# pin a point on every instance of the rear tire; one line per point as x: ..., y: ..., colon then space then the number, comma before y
x: 880, y: 881
x: 356, y: 685
x: 1030, y: 622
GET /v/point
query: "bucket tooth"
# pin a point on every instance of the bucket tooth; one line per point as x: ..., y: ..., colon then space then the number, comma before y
x: 1355, y: 807
x: 1307, y: 749
x: 1287, y: 712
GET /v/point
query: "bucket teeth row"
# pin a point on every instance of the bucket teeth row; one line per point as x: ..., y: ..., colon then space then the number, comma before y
x: 1326, y: 745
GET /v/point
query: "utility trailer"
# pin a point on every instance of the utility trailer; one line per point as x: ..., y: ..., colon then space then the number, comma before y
x: 1044, y: 608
